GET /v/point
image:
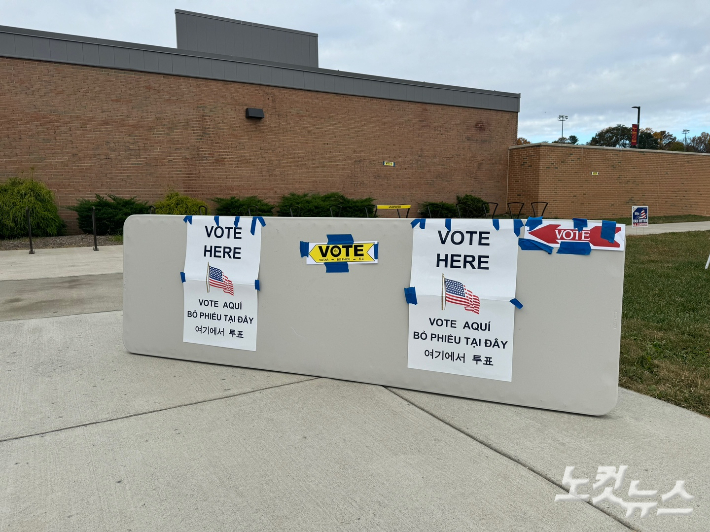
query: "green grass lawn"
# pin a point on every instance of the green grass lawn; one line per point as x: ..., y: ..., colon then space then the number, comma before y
x: 665, y: 333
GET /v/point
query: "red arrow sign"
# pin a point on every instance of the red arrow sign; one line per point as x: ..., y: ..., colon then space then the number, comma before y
x: 552, y: 234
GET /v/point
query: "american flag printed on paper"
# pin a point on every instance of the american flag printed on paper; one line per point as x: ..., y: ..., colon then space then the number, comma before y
x: 458, y: 294
x: 217, y: 279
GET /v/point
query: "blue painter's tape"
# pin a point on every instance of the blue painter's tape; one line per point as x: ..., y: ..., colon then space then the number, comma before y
x: 532, y: 245
x: 182, y: 276
x: 447, y: 223
x: 187, y: 219
x: 253, y: 223
x: 410, y: 295
x: 340, y: 239
x: 336, y: 267
x: 216, y: 219
x: 532, y: 222
x: 517, y: 225
x: 579, y: 223
x: 304, y: 248
x: 236, y: 221
x: 574, y: 248
x: 377, y: 251
x: 421, y: 222
x: 256, y: 284
x: 517, y: 303
x: 608, y: 231
x: 496, y: 224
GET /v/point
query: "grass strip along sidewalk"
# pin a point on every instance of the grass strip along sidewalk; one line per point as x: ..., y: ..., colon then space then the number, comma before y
x: 665, y: 333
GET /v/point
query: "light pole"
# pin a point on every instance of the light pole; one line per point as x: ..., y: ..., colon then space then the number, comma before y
x: 638, y: 124
x: 685, y: 139
x: 562, y: 119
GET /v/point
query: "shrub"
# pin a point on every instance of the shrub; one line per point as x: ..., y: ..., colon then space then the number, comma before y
x: 472, y: 206
x: 110, y: 213
x: 15, y: 196
x: 438, y: 209
x: 467, y: 206
x: 319, y: 205
x: 242, y: 206
x: 176, y: 203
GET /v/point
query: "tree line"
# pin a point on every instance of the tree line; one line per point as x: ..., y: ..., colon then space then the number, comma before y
x: 619, y: 136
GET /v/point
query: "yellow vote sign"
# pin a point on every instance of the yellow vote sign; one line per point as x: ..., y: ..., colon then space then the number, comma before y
x: 359, y: 252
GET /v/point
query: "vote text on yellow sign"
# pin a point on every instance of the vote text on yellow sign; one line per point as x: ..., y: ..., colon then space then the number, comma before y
x: 355, y: 252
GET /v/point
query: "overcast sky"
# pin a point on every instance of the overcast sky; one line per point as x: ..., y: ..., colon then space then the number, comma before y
x: 589, y: 60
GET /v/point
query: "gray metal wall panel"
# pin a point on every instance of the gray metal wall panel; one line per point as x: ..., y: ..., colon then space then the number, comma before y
x: 75, y: 52
x: 107, y: 56
x: 299, y: 80
x: 218, y: 69
x: 7, y: 44
x: 203, y: 33
x: 165, y: 63
x: 179, y: 67
x: 91, y: 54
x: 23, y: 46
x: 136, y: 58
x: 192, y: 66
x: 121, y: 58
x: 40, y: 49
x: 32, y: 44
x: 205, y: 67
x: 181, y: 31
x: 58, y: 50
x: 230, y: 71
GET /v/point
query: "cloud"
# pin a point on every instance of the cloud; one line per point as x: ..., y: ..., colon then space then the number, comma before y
x: 590, y: 61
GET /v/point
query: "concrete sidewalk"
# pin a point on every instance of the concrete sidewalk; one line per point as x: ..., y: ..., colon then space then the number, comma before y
x: 656, y: 229
x: 92, y: 437
x: 61, y: 262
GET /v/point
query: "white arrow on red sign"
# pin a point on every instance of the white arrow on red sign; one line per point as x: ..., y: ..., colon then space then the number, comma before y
x: 554, y: 233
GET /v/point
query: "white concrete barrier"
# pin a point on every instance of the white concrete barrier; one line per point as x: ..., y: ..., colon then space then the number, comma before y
x: 354, y: 326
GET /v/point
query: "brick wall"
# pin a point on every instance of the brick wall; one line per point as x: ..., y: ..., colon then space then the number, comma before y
x: 668, y: 182
x: 87, y: 130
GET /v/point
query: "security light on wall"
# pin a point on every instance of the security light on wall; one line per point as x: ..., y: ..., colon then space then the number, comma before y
x: 253, y: 112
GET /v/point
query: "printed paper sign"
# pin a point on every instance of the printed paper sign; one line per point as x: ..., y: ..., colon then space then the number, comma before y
x: 639, y: 216
x: 361, y: 252
x: 221, y: 267
x: 232, y: 249
x: 224, y: 316
x: 554, y: 232
x: 464, y: 278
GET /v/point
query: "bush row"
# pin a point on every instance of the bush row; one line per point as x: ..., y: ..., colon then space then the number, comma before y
x: 111, y: 211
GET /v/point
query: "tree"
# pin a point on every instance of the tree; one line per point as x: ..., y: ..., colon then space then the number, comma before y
x: 665, y: 139
x: 700, y: 143
x: 647, y: 140
x: 676, y: 146
x: 522, y: 140
x: 572, y: 139
x: 618, y: 136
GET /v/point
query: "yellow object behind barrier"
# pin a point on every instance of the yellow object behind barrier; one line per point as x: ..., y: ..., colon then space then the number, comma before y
x: 394, y: 207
